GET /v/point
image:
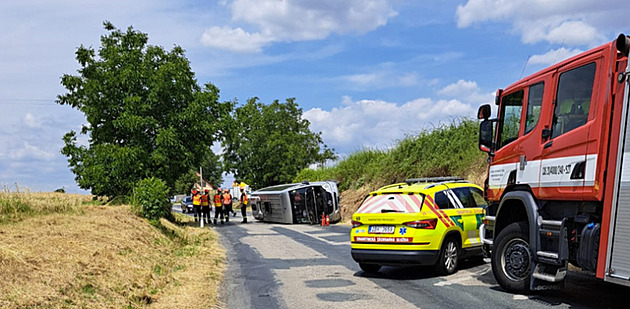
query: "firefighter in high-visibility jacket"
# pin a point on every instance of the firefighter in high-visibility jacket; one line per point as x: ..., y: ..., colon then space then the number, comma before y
x: 218, y: 206
x: 244, y: 202
x: 205, y: 207
x: 227, y: 204
x: 196, y: 204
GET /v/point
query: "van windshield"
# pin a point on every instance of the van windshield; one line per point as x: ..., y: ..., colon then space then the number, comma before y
x: 394, y: 203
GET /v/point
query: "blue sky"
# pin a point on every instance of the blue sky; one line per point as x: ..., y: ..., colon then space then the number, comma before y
x: 365, y: 72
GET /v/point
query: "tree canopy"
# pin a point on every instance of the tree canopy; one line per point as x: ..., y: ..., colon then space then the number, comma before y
x: 146, y: 114
x: 212, y: 172
x: 269, y: 144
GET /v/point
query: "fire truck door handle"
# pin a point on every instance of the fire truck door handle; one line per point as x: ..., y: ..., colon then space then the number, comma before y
x: 548, y: 145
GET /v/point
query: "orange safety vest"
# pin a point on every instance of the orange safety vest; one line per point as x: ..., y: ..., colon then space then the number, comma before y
x: 227, y: 198
x: 204, y: 200
x: 196, y: 200
x: 244, y: 200
x: 217, y: 200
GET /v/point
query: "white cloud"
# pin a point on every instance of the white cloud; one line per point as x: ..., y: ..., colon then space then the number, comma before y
x: 296, y: 20
x: 31, y: 121
x: 233, y: 39
x: 553, y: 56
x: 467, y: 91
x: 572, y: 22
x: 28, y: 151
x: 386, y: 77
x: 376, y: 123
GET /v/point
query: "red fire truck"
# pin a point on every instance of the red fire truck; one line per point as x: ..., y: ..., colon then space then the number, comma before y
x: 558, y: 180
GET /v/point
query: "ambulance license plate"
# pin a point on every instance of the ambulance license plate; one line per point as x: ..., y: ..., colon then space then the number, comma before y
x: 381, y: 229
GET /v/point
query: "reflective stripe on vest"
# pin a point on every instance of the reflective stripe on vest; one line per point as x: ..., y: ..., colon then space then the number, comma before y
x: 196, y: 200
x: 204, y: 200
x: 217, y: 200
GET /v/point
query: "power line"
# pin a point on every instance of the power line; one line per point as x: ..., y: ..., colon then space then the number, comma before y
x: 28, y: 102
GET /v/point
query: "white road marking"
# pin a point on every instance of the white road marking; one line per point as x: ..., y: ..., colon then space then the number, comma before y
x: 465, y: 277
x: 305, y: 229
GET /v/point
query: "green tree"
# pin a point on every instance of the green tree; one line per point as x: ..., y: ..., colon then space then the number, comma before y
x: 212, y: 172
x: 146, y: 114
x: 269, y: 144
x: 212, y: 168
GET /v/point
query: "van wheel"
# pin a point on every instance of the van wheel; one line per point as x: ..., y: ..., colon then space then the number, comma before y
x: 449, y: 257
x: 369, y: 268
x: 511, y: 258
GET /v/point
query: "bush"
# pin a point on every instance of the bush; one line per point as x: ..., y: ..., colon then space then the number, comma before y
x: 151, y: 195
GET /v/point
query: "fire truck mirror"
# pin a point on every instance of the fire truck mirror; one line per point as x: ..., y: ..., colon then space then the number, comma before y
x: 623, y: 44
x: 546, y: 132
x: 484, y: 112
x: 485, y: 135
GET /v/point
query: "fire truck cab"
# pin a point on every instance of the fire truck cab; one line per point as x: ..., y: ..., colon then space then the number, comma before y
x: 558, y: 178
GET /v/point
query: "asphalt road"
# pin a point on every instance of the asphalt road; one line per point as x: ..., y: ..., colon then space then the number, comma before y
x: 299, y: 266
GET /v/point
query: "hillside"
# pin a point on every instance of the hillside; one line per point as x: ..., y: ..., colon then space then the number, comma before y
x: 102, y: 257
x: 446, y: 150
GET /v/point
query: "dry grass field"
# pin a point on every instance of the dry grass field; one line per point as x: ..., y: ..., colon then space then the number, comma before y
x: 58, y: 252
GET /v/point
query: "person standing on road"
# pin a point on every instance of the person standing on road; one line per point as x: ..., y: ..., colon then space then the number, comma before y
x: 218, y: 209
x: 244, y: 202
x: 227, y: 204
x: 196, y: 204
x: 205, y: 207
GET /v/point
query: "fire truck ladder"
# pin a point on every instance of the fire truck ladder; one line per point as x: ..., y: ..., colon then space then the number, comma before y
x: 552, y: 253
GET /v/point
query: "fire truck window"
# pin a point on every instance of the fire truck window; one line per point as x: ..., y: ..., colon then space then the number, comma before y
x: 442, y: 201
x: 534, y: 104
x: 573, y: 99
x: 510, y: 120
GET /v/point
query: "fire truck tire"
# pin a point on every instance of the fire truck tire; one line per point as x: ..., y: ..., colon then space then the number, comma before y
x: 449, y: 257
x: 511, y: 258
x: 369, y: 268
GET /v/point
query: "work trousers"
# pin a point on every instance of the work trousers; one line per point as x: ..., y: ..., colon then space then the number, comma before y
x: 227, y: 209
x: 205, y: 213
x: 218, y: 211
x: 244, y: 212
x: 197, y: 211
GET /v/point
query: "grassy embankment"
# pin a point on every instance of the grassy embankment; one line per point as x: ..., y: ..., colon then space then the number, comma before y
x: 58, y: 251
x: 447, y: 150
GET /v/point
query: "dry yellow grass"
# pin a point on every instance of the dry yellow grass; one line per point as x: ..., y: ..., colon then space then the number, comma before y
x: 15, y: 206
x: 107, y: 257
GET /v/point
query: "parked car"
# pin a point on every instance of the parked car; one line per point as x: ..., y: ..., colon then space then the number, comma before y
x: 187, y: 204
x: 423, y: 221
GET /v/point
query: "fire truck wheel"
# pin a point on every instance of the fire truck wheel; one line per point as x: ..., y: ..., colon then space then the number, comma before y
x: 369, y: 268
x: 511, y: 258
x: 449, y: 257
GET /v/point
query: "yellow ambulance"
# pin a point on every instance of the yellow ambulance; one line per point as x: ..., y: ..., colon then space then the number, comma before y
x: 423, y: 221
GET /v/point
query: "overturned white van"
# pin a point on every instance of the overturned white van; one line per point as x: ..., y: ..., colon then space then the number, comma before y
x: 297, y: 202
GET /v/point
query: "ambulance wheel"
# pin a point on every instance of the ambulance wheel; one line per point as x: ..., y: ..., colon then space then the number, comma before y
x: 369, y: 268
x: 449, y: 257
x: 511, y: 258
